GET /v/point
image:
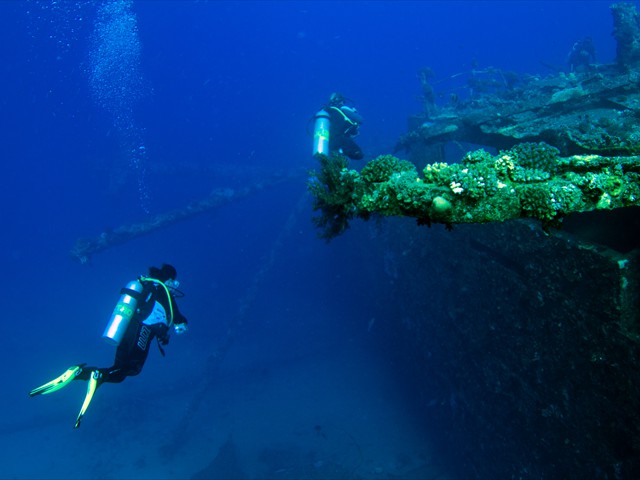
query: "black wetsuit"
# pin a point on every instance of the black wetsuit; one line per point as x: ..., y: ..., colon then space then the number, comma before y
x: 582, y: 55
x: 344, y: 124
x: 134, y: 347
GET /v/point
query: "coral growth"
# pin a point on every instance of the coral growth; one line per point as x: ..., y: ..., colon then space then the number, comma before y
x: 529, y: 180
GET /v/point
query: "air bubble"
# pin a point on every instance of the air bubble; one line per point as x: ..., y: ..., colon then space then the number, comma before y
x: 116, y: 81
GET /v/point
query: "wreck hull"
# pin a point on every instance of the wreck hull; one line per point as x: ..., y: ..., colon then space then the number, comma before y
x: 521, y: 348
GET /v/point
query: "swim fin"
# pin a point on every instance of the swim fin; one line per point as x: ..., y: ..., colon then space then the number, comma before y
x: 56, y: 384
x: 94, y: 382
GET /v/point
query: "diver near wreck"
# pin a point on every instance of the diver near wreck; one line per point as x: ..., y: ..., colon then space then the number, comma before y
x: 582, y: 55
x: 146, y: 310
x: 336, y: 126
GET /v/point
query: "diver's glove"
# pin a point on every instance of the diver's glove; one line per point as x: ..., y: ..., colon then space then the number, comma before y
x: 180, y: 328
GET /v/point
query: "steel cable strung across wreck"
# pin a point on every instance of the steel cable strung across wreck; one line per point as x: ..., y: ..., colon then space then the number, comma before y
x: 87, y: 246
x: 529, y: 180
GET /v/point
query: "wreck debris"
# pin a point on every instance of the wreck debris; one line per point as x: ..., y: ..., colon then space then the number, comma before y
x: 626, y: 21
x: 566, y: 143
x: 592, y: 111
x: 85, y: 247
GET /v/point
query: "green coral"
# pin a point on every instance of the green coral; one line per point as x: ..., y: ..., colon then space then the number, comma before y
x: 383, y: 167
x: 610, y: 183
x: 392, y: 186
x: 474, y: 181
x: 438, y: 173
x: 474, y: 178
x: 550, y: 202
x: 532, y: 162
x: 529, y: 180
x: 477, y: 156
x: 403, y: 192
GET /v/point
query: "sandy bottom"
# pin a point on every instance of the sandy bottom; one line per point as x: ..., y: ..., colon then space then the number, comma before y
x: 331, y: 413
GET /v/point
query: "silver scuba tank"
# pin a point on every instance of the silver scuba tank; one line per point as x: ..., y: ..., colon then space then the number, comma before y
x: 321, y: 133
x: 123, y: 313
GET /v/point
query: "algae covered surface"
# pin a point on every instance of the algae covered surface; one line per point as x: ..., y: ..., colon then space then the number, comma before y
x: 529, y: 180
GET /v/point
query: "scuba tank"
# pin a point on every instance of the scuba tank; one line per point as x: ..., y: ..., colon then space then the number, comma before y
x: 321, y: 133
x: 123, y: 313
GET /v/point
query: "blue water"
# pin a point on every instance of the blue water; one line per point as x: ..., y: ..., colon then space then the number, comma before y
x: 114, y: 111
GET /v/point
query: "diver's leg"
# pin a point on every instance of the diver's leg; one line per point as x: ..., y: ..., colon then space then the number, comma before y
x: 98, y: 376
x: 130, y: 358
x: 351, y: 149
x: 131, y: 355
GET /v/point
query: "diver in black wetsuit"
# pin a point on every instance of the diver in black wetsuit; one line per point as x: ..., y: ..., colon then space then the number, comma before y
x: 344, y: 127
x: 155, y: 312
x: 582, y: 55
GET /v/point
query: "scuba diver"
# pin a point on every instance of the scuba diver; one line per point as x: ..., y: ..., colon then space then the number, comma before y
x: 582, y: 55
x: 336, y: 125
x: 146, y: 310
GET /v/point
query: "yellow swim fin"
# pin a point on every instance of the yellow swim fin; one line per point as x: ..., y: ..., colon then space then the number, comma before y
x: 57, y: 383
x: 94, y: 382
